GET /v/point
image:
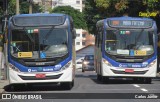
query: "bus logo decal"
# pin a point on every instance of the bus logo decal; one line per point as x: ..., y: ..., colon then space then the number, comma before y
x: 29, y: 70
x: 58, y: 66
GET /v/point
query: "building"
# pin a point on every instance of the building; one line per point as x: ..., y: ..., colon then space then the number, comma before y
x: 83, y: 39
x: 77, y: 4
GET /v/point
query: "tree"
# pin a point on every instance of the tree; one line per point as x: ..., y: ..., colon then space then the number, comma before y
x: 24, y: 7
x: 78, y: 17
x: 91, y: 15
x: 100, y: 9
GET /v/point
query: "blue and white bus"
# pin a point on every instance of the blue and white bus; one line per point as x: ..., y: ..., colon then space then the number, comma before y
x: 41, y: 49
x: 126, y: 47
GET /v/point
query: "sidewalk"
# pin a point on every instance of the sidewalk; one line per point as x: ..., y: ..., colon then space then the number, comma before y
x: 3, y: 83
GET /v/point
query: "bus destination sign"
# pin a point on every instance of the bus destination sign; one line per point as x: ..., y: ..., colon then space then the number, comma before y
x: 131, y: 23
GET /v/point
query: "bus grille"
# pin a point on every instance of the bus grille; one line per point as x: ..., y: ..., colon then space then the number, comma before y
x: 34, y: 78
x: 123, y: 72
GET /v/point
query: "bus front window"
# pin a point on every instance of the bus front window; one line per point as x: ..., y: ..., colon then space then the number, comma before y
x: 129, y: 42
x: 51, y: 42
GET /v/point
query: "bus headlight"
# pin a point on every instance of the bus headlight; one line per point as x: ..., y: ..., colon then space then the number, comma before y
x: 67, y: 65
x: 152, y: 63
x: 14, y: 68
x: 106, y: 62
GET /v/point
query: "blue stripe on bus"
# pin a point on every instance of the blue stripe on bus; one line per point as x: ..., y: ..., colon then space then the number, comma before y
x: 129, y: 65
x: 57, y: 67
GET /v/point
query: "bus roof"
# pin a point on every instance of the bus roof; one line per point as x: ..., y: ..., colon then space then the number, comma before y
x: 39, y: 19
x: 128, y: 18
x: 129, y: 22
x: 40, y: 14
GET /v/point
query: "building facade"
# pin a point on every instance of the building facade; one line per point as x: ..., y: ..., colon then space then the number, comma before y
x: 83, y: 39
x: 77, y: 4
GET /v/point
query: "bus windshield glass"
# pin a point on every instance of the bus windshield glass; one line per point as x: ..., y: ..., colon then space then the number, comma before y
x: 31, y: 42
x: 125, y: 42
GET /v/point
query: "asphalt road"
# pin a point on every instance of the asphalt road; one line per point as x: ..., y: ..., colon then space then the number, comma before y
x: 87, y: 83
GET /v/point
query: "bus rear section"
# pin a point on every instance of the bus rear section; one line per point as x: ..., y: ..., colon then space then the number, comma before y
x: 40, y: 49
x: 128, y: 48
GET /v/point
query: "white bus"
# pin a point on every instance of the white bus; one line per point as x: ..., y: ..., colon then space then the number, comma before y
x: 126, y: 47
x: 41, y: 49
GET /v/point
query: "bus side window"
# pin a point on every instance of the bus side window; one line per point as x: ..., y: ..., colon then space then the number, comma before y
x: 100, y: 37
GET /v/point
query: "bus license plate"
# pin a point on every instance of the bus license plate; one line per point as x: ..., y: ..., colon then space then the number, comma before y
x: 129, y: 70
x: 40, y: 75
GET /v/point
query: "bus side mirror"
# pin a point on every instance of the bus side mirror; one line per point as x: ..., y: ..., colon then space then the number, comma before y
x: 74, y: 34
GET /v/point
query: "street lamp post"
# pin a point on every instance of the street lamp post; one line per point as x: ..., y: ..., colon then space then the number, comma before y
x: 17, y: 6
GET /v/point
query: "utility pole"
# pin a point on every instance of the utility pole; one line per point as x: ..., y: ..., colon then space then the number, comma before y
x: 17, y: 6
x: 30, y: 8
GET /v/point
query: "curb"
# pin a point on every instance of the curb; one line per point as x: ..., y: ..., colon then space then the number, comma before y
x: 3, y: 83
x: 1, y: 90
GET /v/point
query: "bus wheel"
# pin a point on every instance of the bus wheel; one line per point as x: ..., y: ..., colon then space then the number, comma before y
x: 83, y: 70
x: 16, y: 87
x: 147, y: 80
x: 67, y: 85
x: 105, y: 79
x: 99, y: 77
x: 135, y: 80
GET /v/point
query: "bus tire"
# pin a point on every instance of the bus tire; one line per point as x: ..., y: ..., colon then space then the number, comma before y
x: 16, y: 87
x: 67, y: 85
x: 136, y: 80
x: 105, y: 79
x: 99, y: 77
x: 147, y: 80
x: 83, y: 70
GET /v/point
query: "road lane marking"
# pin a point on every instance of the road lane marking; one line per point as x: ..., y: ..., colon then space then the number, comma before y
x: 144, y: 90
x: 136, y: 85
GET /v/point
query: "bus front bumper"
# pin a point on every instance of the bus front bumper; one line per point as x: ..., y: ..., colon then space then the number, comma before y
x: 137, y: 72
x: 66, y: 75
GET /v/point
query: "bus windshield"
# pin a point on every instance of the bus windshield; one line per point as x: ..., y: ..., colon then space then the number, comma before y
x: 125, y: 42
x: 36, y: 43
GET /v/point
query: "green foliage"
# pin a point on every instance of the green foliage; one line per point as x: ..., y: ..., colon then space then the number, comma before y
x: 24, y: 7
x: 78, y: 17
x: 91, y: 15
x: 1, y: 12
x: 100, y: 9
x: 102, y: 3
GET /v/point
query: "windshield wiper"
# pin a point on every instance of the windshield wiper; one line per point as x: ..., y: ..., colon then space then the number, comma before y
x: 58, y: 55
x: 138, y: 37
x: 30, y: 37
x: 48, y: 33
